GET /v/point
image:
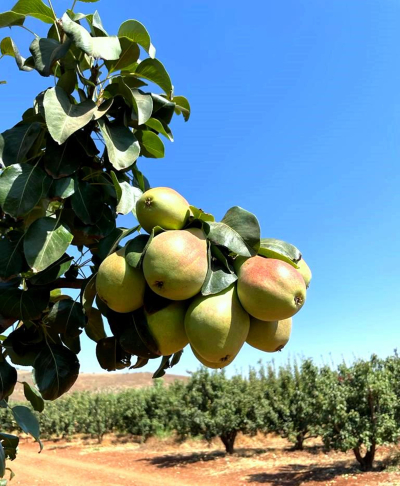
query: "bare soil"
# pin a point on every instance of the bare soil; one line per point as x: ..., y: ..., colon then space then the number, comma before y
x: 164, y: 462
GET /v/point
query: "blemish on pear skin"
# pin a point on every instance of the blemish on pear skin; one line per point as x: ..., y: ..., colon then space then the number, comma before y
x: 225, y: 358
x: 279, y: 348
x: 159, y: 284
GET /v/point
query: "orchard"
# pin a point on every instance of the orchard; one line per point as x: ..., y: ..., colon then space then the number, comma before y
x: 69, y: 168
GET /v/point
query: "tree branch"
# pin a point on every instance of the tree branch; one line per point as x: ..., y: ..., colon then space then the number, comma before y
x: 64, y: 283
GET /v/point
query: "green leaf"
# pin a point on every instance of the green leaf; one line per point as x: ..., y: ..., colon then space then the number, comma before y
x: 63, y: 160
x: 64, y: 118
x: 66, y: 317
x: 88, y: 1
x: 16, y: 142
x: 27, y: 421
x: 163, y: 109
x: 45, y: 242
x: 182, y: 106
x: 53, y: 272
x: 11, y: 261
x: 88, y: 294
x: 127, y: 195
x: 222, y: 234
x: 34, y: 397
x: 36, y: 9
x: 8, y: 378
x: 23, y: 304
x: 218, y: 277
x: 110, y: 355
x: 151, y: 145
x: 103, y: 108
x: 109, y: 244
x: 10, y: 444
x: 201, y: 215
x: 8, y: 48
x: 273, y: 248
x: 86, y: 202
x: 134, y: 250
x: 136, y: 32
x: 95, y: 328
x: 245, y: 224
x: 21, y: 188
x: 122, y: 146
x: 164, y: 365
x: 95, y: 232
x: 141, y: 103
x: 46, y: 52
x: 107, y: 48
x: 160, y: 127
x: 154, y: 71
x: 129, y: 55
x: 56, y: 369
x: 134, y: 335
x: 62, y: 188
x: 68, y: 81
x: 10, y: 18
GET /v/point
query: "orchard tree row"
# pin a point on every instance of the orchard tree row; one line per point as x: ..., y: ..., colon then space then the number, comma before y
x: 352, y: 408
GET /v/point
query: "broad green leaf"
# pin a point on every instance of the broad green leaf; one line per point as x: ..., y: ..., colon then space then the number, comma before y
x: 176, y: 358
x: 66, y: 317
x: 103, y: 108
x: 64, y: 118
x: 134, y: 336
x: 182, y: 106
x: 9, y: 443
x: 160, y: 127
x: 273, y: 248
x: 53, y: 272
x: 164, y: 365
x: 109, y: 244
x: 245, y: 224
x: 27, y: 421
x: 56, y: 369
x: 134, y: 250
x: 107, y: 48
x: 110, y: 355
x: 141, y: 103
x: 201, y: 215
x: 16, y: 142
x: 88, y: 294
x: 154, y: 70
x: 23, y: 304
x: 224, y: 235
x: 45, y: 242
x: 218, y: 277
x: 46, y: 52
x: 163, y: 109
x: 151, y: 145
x: 127, y: 195
x: 10, y: 18
x: 136, y: 32
x: 62, y: 188
x: 11, y: 260
x: 129, y: 55
x: 36, y: 9
x: 88, y: 1
x: 8, y: 378
x: 63, y: 160
x: 8, y: 48
x: 95, y: 327
x: 34, y: 397
x: 140, y: 180
x: 21, y: 188
x: 122, y: 146
x: 87, y: 202
x: 68, y: 81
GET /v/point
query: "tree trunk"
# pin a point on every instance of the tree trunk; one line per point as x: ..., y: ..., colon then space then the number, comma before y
x: 367, y: 461
x: 228, y: 440
x: 298, y: 446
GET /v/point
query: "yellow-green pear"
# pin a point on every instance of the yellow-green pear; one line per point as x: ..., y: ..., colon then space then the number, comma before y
x: 162, y: 206
x: 217, y: 326
x: 167, y: 326
x: 176, y: 262
x: 269, y: 336
x: 210, y: 364
x: 270, y: 289
x: 304, y: 271
x: 119, y: 285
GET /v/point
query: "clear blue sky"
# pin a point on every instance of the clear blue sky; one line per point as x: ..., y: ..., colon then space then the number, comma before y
x: 295, y: 117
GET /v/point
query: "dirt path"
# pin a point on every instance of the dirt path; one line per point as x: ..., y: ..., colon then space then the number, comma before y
x: 163, y: 463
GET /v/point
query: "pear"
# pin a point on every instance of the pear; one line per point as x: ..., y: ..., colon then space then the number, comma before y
x: 269, y: 336
x: 270, y: 289
x: 167, y: 327
x: 210, y: 364
x: 176, y: 262
x: 119, y: 285
x: 304, y: 271
x: 217, y: 326
x: 162, y: 206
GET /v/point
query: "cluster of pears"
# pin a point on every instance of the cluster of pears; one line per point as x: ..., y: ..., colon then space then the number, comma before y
x: 257, y: 308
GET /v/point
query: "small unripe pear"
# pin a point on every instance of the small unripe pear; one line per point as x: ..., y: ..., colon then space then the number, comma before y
x: 119, y: 285
x: 269, y: 336
x: 162, y: 206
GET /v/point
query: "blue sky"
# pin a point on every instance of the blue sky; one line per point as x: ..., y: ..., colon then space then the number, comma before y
x: 295, y: 117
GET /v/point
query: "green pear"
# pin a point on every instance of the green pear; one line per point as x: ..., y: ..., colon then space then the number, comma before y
x: 119, y: 285
x: 167, y: 327
x: 210, y: 364
x: 269, y: 336
x: 162, y: 206
x: 270, y: 289
x: 304, y: 271
x: 176, y: 262
x: 217, y: 326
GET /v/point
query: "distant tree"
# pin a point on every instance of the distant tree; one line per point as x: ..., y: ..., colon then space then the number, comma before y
x: 361, y: 409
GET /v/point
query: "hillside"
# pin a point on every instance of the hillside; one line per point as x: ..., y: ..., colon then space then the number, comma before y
x: 101, y: 381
